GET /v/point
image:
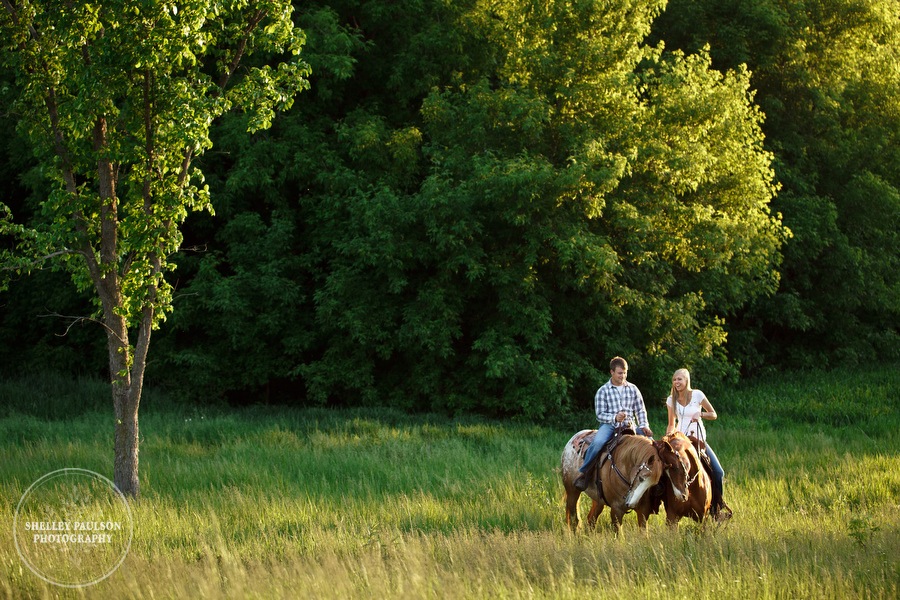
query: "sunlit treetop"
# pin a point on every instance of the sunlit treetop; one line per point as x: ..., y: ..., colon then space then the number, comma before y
x: 118, y: 98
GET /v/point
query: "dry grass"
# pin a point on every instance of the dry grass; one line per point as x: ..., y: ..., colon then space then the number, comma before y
x: 318, y: 504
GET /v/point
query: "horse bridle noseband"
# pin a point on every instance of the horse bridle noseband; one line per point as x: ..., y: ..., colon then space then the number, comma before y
x: 687, y: 471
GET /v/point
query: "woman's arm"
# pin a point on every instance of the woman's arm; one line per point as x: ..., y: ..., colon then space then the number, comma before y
x: 708, y: 412
x: 671, y: 426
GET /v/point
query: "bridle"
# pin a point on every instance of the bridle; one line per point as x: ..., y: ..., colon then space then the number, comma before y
x: 687, y: 470
x: 690, y: 482
x: 641, y: 468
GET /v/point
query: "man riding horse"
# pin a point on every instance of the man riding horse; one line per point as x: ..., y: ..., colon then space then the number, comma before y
x: 616, y: 403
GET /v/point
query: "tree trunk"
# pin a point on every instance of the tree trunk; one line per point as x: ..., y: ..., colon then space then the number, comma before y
x: 126, y: 370
x: 127, y: 435
x: 125, y: 410
x: 127, y: 380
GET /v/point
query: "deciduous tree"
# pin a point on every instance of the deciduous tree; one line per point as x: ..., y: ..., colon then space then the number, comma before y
x: 558, y: 194
x: 117, y: 98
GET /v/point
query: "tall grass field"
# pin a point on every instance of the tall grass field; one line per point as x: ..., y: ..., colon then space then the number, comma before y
x: 266, y: 502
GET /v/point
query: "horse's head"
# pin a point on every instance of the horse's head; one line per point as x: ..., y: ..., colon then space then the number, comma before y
x: 673, y: 451
x: 644, y: 474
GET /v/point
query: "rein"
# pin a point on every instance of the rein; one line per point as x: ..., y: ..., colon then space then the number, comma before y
x: 691, y: 481
x: 700, y: 436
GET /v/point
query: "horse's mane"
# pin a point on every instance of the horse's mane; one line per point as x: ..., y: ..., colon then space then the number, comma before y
x: 635, y: 449
x: 676, y: 435
x: 676, y: 439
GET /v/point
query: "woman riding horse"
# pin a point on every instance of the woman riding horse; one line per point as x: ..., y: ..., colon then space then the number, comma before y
x: 687, y: 409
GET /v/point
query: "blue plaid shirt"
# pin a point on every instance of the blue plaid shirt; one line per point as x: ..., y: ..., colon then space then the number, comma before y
x: 610, y: 400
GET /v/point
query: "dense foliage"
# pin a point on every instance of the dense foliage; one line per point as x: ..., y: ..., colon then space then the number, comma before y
x: 479, y: 203
x: 827, y: 75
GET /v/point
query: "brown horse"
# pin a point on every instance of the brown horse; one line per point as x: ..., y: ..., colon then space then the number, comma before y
x: 635, y: 465
x: 699, y: 485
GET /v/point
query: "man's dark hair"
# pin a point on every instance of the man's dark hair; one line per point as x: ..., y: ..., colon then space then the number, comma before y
x: 618, y: 362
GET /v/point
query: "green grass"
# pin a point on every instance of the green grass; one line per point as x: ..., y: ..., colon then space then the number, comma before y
x: 281, y: 503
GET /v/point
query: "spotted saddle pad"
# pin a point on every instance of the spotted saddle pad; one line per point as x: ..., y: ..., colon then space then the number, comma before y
x: 582, y: 442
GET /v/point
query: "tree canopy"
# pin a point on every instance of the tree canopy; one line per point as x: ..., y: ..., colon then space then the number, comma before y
x: 827, y: 78
x: 556, y: 194
x: 479, y: 203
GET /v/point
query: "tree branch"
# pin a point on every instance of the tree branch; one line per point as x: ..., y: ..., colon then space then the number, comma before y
x: 38, y: 261
x: 149, y: 134
x: 109, y: 219
x: 241, y: 48
x: 75, y: 320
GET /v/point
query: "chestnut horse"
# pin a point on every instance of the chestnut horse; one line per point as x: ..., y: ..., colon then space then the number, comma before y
x: 699, y: 485
x: 635, y: 465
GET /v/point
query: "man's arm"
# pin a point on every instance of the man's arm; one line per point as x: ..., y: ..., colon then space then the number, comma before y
x: 641, y: 411
x: 604, y: 405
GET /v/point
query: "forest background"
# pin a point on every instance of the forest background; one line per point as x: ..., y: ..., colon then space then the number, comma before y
x: 477, y: 204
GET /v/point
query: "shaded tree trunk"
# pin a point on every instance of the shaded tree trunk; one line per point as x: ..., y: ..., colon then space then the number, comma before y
x: 127, y: 382
x: 127, y: 435
x: 126, y: 389
x: 126, y: 368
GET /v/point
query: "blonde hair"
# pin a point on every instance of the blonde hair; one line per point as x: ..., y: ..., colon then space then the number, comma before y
x: 687, y: 388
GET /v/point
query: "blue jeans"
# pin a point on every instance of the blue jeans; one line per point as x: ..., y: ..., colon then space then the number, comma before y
x: 603, y: 435
x: 718, y: 471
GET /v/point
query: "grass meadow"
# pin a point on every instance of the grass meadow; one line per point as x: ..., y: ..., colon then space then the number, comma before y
x: 274, y: 502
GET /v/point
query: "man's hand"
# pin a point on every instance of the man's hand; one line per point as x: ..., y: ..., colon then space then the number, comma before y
x: 647, y: 431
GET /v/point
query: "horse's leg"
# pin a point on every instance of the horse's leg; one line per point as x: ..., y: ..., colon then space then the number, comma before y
x: 616, y: 519
x: 702, y: 516
x: 697, y: 514
x: 594, y: 514
x: 572, y: 496
x: 672, y: 519
x: 642, y: 519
